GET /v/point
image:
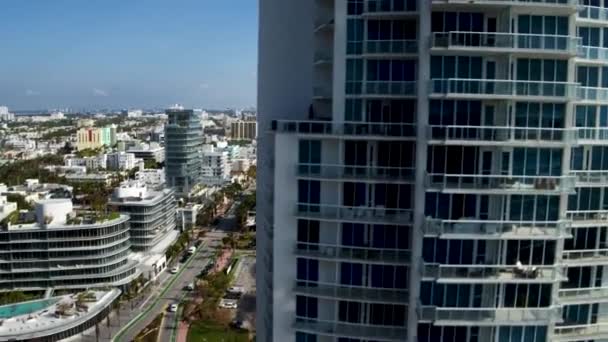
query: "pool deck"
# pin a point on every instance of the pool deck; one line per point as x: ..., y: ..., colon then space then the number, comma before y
x: 45, y: 321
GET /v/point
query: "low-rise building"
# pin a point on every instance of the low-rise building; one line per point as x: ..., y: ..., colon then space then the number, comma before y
x: 153, y: 178
x: 64, y: 249
x: 152, y: 213
x: 104, y: 178
x: 186, y: 216
x: 152, y: 151
x: 91, y: 163
x: 122, y: 161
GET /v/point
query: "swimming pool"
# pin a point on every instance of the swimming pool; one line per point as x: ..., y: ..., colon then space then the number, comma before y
x: 12, y: 310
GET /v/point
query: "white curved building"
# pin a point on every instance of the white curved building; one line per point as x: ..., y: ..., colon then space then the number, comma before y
x: 62, y: 250
x: 436, y: 170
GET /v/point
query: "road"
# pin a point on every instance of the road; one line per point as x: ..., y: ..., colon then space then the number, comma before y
x: 173, y: 294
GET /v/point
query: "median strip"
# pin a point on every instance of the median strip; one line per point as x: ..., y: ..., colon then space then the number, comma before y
x: 166, y: 288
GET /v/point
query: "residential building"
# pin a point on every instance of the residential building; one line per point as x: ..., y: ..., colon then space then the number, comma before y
x: 152, y: 213
x: 244, y: 130
x: 104, y: 178
x: 5, y: 115
x: 152, y: 151
x: 6, y: 207
x: 435, y: 171
x: 215, y: 168
x: 56, y: 247
x: 186, y: 215
x: 123, y: 161
x: 153, y: 178
x: 91, y: 163
x: 183, y: 140
x: 95, y: 137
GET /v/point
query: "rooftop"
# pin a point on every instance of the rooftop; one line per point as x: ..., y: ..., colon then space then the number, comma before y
x: 54, y: 315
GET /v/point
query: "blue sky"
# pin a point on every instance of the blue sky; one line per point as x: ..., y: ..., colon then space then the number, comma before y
x: 127, y: 53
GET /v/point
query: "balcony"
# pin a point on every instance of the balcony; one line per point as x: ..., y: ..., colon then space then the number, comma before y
x: 390, y: 48
x: 335, y: 213
x: 387, y: 9
x: 581, y: 332
x: 492, y: 274
x: 498, y: 42
x: 590, y: 178
x: 355, y: 173
x: 592, y: 14
x: 347, y: 130
x: 593, y: 54
x: 589, y: 295
x: 556, y: 7
x: 586, y: 257
x: 588, y: 218
x: 351, y: 293
x: 462, y: 135
x: 593, y: 95
x: 500, y: 184
x: 322, y: 93
x: 353, y: 330
x: 342, y: 253
x: 324, y: 23
x: 461, y: 316
x: 495, y: 89
x: 384, y: 89
x: 473, y: 229
x: 592, y: 135
x: 323, y: 58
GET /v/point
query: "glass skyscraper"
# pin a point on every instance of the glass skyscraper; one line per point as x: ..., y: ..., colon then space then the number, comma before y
x: 183, y: 143
x: 433, y: 170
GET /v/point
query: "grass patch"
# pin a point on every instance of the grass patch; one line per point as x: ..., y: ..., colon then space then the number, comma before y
x: 210, y: 332
x: 150, y: 333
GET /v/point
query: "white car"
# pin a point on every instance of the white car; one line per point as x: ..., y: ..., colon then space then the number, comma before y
x: 173, y: 308
x: 236, y: 289
x: 175, y: 269
x: 228, y: 304
x: 190, y: 287
x: 191, y: 250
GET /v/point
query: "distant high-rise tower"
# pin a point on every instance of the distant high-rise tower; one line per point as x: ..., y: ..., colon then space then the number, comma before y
x: 183, y: 141
x: 435, y: 170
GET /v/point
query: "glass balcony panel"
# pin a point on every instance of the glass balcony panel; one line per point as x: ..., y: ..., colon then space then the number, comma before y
x: 510, y: 88
x: 498, y: 229
x: 377, y: 214
x: 588, y: 217
x: 590, y: 176
x: 593, y: 94
x: 356, y: 172
x: 500, y: 183
x: 583, y: 295
x: 493, y: 273
x: 500, y: 133
x: 593, y: 52
x: 348, y: 128
x: 390, y: 88
x: 581, y: 332
x: 391, y: 46
x: 510, y: 41
x: 362, y: 330
x: 368, y: 254
x: 593, y: 13
x: 357, y: 293
x: 588, y: 256
x: 496, y: 316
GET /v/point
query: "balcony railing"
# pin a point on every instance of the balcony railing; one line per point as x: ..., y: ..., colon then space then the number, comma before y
x: 355, y: 330
x: 475, y: 183
x: 592, y: 135
x: 507, y: 41
x: 595, y: 177
x: 593, y: 94
x: 593, y: 52
x: 491, y: 274
x: 495, y: 88
x: 588, y: 217
x: 569, y: 3
x: 391, y: 46
x: 581, y: 332
x: 378, y: 214
x: 390, y: 88
x: 367, y: 254
x: 585, y: 257
x: 489, y: 316
x: 583, y: 295
x: 356, y: 293
x: 501, y: 134
x: 494, y: 229
x: 593, y: 13
x: 349, y: 128
x: 355, y: 172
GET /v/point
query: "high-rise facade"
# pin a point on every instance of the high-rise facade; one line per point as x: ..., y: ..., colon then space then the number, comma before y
x: 183, y: 140
x: 436, y: 170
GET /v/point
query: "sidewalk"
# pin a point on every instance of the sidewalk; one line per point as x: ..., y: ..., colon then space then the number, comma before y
x: 182, y: 332
x: 125, y: 314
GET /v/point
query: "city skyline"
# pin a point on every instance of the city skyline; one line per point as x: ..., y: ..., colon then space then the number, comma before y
x: 125, y: 55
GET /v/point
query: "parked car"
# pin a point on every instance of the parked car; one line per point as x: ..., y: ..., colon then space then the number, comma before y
x: 173, y: 308
x: 191, y: 250
x: 175, y: 269
x: 228, y: 304
x: 190, y: 287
